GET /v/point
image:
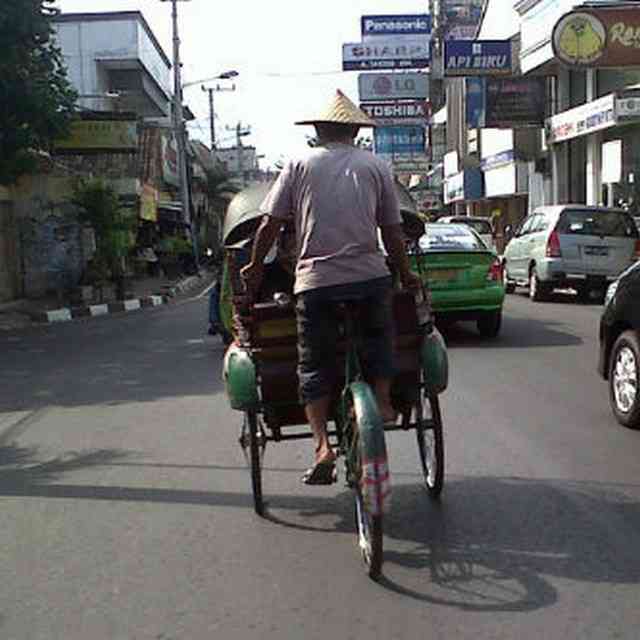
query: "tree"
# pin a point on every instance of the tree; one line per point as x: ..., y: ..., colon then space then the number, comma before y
x: 99, y: 207
x: 36, y: 99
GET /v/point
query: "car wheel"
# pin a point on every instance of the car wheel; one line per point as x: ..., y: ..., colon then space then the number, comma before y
x: 624, y: 373
x: 489, y: 324
x: 538, y: 291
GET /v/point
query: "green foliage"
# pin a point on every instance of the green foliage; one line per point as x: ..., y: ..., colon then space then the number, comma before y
x: 176, y: 246
x: 220, y: 190
x: 36, y: 99
x: 99, y: 207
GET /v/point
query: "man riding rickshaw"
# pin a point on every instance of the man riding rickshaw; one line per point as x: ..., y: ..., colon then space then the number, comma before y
x: 315, y: 236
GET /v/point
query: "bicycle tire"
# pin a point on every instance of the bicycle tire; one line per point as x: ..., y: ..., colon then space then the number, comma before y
x: 256, y: 465
x: 432, y: 452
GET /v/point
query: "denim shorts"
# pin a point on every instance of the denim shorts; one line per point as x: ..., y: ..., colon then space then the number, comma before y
x: 316, y: 312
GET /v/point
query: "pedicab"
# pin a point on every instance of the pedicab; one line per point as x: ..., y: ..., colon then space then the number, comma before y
x: 261, y: 382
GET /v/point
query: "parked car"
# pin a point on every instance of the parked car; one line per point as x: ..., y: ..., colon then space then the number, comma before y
x: 482, y: 226
x: 463, y: 275
x: 572, y: 245
x: 619, y: 361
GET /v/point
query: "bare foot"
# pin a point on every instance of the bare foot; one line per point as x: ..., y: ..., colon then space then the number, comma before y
x: 325, y: 456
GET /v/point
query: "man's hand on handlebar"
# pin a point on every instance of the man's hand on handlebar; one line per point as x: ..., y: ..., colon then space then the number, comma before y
x: 251, y: 276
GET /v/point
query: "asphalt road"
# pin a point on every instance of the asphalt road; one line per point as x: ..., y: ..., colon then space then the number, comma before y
x: 126, y: 512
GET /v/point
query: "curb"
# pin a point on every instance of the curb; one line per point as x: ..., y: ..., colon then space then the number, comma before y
x: 94, y: 310
x: 65, y: 314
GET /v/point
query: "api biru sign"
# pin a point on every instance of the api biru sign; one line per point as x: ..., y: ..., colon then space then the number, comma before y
x: 478, y: 58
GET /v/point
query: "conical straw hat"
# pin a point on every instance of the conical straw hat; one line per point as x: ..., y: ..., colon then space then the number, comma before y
x: 342, y: 111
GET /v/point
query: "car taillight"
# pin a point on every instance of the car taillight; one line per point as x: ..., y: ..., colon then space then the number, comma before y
x: 495, y: 272
x: 553, y: 246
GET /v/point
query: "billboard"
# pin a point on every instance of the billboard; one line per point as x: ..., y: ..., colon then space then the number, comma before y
x: 409, y: 112
x: 582, y: 120
x: 403, y: 147
x: 116, y: 136
x: 415, y: 25
x: 477, y: 58
x: 399, y: 53
x: 393, y: 86
x: 598, y: 37
x: 505, y: 103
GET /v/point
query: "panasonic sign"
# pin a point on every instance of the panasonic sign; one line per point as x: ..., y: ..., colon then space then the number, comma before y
x: 396, y: 25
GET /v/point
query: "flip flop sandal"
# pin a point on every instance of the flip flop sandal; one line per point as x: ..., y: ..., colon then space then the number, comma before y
x: 321, y: 473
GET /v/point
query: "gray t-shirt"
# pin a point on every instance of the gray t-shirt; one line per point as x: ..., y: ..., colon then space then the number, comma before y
x: 337, y: 195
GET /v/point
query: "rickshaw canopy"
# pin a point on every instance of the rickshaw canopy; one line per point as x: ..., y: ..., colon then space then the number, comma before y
x: 243, y: 213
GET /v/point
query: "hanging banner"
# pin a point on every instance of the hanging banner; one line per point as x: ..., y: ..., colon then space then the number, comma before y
x: 598, y: 37
x: 478, y: 57
x: 170, y: 170
x: 149, y: 203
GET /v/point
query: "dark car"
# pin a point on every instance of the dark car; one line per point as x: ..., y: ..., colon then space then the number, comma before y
x: 620, y: 346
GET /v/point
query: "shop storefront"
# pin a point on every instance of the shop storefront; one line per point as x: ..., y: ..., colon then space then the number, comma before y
x: 462, y: 189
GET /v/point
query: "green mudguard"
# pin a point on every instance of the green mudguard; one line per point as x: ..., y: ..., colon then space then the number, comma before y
x: 370, y: 424
x: 240, y: 381
x: 435, y: 363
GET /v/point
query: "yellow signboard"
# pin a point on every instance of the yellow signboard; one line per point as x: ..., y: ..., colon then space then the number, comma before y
x: 98, y: 135
x: 149, y: 203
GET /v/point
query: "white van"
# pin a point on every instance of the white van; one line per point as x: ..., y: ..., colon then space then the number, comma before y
x: 571, y: 246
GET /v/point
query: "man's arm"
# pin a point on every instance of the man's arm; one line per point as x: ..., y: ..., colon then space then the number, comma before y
x: 393, y: 239
x: 265, y: 237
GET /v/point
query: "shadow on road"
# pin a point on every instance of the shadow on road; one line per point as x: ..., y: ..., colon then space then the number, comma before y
x: 490, y: 545
x: 123, y: 360
x: 516, y: 333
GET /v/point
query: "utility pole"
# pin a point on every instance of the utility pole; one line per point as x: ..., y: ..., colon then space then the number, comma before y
x: 212, y: 115
x: 178, y: 127
x: 239, y: 150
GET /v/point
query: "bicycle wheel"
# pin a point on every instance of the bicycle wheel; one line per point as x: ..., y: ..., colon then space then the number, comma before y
x: 368, y: 473
x: 430, y: 442
x: 256, y: 464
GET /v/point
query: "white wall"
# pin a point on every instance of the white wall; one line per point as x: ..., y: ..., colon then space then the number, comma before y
x: 84, y: 44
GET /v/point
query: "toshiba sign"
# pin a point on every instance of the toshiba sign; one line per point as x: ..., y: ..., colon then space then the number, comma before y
x: 413, y: 112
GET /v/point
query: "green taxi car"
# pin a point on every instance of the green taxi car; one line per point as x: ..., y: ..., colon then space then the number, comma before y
x: 463, y: 275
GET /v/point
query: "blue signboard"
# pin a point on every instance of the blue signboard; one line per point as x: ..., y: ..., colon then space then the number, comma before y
x: 399, y: 140
x: 395, y: 25
x: 477, y: 58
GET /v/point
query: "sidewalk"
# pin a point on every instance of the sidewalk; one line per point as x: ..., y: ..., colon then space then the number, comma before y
x: 148, y: 292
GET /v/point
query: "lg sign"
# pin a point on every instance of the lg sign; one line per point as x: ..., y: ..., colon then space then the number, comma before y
x: 396, y: 86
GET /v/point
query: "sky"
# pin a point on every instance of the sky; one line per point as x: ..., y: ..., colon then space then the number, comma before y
x: 288, y: 54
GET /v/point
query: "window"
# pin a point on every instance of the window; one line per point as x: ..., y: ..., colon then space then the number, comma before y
x: 540, y: 223
x: 526, y: 226
x: 584, y: 222
x: 450, y: 237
